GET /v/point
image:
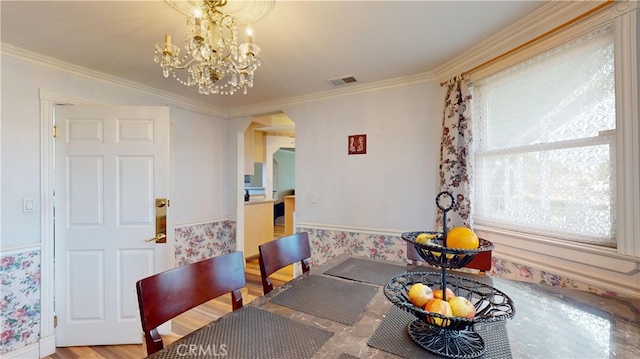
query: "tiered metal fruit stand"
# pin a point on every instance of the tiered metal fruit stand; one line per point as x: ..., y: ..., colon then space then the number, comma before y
x: 452, y: 337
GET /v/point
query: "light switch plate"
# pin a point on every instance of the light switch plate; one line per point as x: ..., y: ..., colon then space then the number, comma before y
x: 28, y: 204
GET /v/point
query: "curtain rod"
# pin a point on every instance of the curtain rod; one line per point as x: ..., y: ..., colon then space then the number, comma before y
x: 537, y: 38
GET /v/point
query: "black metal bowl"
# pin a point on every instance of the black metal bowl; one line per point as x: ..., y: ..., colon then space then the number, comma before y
x: 436, y: 254
x: 491, y: 304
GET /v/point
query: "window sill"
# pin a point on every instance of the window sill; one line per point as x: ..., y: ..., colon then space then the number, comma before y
x: 541, y: 249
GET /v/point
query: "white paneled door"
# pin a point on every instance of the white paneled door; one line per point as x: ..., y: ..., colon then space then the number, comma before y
x: 111, y: 165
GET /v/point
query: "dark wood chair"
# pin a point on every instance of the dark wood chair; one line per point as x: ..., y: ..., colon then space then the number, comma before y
x: 165, y: 295
x: 482, y: 260
x: 281, y: 252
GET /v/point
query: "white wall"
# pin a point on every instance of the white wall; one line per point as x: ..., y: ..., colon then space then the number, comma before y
x: 286, y: 172
x: 393, y: 186
x: 235, y: 171
x: 273, y: 144
x: 20, y: 153
x: 199, y: 149
x: 200, y: 158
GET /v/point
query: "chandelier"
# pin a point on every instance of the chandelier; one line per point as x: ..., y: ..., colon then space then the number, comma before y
x: 214, y: 61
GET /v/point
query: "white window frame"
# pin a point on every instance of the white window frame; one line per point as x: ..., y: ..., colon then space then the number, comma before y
x: 605, y: 137
x: 623, y: 17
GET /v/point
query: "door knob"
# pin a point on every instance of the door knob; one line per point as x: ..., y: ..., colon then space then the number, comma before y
x: 159, y: 238
x: 161, y: 221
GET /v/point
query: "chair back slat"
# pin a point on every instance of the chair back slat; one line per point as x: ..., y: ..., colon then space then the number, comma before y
x: 281, y: 252
x: 165, y: 295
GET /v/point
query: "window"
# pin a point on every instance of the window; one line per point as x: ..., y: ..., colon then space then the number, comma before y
x: 545, y: 142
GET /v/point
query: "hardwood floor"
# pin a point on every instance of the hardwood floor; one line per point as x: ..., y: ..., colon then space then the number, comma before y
x: 186, y: 322
x: 278, y: 231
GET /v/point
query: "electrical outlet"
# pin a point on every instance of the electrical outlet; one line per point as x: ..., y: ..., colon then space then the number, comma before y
x: 314, y: 197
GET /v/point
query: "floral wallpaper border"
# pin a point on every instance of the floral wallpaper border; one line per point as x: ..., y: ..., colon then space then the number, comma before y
x: 20, y: 300
x: 504, y: 268
x: 203, y: 241
x: 326, y: 244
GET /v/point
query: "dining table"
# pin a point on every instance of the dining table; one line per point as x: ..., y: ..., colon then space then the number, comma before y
x: 339, y: 309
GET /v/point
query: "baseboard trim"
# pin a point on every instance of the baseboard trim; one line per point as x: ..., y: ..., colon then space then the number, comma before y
x: 47, y: 346
x: 28, y: 352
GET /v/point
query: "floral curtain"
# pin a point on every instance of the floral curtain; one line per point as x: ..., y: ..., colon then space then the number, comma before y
x: 455, y: 153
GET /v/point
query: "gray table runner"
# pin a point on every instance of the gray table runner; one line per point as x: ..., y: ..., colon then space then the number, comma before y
x: 327, y: 298
x: 347, y: 356
x: 366, y: 271
x: 392, y: 336
x: 249, y: 333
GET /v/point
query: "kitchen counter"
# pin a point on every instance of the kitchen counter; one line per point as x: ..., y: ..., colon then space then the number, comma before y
x: 258, y: 225
x: 289, y: 208
x: 258, y: 201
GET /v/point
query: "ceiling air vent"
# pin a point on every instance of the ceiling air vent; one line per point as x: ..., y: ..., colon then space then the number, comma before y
x: 342, y: 81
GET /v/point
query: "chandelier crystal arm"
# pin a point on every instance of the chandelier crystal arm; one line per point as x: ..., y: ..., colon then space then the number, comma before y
x: 184, y: 66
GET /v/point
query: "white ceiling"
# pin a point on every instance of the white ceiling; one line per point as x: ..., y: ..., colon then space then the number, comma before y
x: 303, y: 43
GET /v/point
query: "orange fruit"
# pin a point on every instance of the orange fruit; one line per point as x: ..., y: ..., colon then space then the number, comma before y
x: 462, y: 237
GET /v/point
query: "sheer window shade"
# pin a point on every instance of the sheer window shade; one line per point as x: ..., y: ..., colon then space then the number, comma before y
x: 545, y: 144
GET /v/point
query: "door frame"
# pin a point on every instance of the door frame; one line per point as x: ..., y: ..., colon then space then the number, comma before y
x: 48, y: 100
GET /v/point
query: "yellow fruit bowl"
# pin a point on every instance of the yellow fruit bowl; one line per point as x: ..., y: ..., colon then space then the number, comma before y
x: 436, y: 254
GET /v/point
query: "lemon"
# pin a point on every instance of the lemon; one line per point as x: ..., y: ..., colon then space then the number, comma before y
x: 462, y: 237
x: 424, y: 238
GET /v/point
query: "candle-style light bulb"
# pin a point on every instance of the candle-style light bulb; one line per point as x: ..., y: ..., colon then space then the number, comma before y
x: 198, y: 16
x: 167, y: 39
x: 249, y: 34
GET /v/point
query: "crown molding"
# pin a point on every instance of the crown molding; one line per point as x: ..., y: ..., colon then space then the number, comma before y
x: 59, y: 65
x: 545, y: 19
x: 329, y: 94
x: 188, y: 104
